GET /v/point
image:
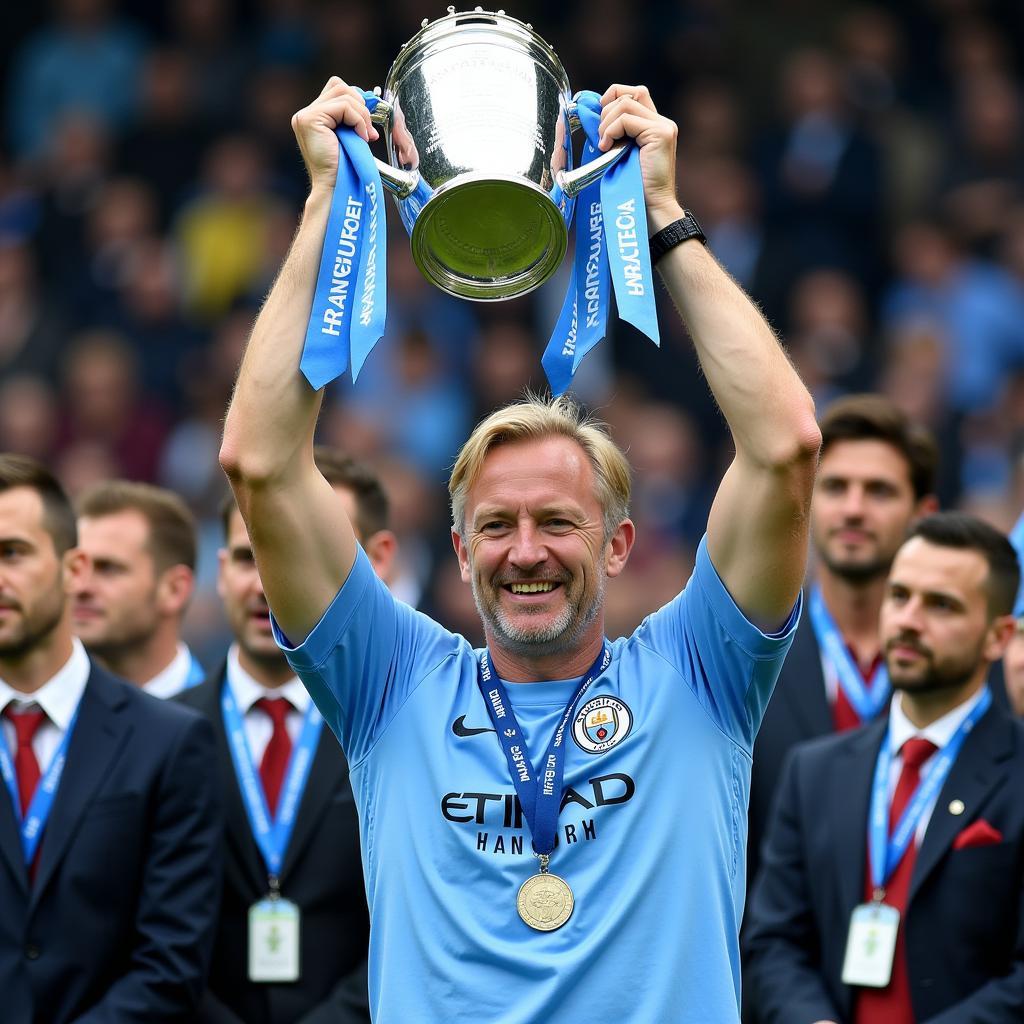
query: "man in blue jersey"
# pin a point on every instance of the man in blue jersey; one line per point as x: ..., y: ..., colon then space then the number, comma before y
x: 554, y: 825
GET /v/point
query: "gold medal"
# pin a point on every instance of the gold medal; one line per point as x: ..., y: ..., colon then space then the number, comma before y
x: 545, y: 901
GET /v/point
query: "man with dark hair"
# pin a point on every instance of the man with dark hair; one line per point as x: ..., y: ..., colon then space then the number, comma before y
x: 110, y: 870
x: 129, y: 608
x: 876, y: 476
x: 893, y: 867
x: 317, y: 870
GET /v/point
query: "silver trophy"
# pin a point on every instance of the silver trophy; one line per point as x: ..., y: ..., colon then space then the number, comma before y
x: 477, y: 115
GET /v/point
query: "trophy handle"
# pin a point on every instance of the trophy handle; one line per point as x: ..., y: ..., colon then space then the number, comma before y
x: 573, y: 182
x: 401, y: 184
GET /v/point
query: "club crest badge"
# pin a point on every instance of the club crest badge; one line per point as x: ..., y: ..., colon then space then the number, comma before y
x: 601, y: 723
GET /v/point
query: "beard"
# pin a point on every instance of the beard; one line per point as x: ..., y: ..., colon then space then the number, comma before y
x: 948, y: 674
x: 119, y: 640
x: 35, y: 626
x: 857, y: 572
x: 556, y: 637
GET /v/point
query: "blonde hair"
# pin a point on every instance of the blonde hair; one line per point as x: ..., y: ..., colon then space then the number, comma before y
x: 534, y: 418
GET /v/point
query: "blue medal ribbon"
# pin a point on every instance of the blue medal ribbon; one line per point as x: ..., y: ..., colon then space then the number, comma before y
x: 615, y: 245
x: 886, y: 852
x: 350, y: 300
x: 866, y: 698
x: 34, y: 822
x: 1017, y: 540
x: 196, y: 673
x: 271, y: 834
x: 540, y: 793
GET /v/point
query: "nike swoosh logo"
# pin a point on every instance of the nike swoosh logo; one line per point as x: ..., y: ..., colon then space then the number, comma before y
x: 460, y: 728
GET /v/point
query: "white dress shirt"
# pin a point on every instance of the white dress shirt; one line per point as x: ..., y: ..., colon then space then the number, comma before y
x: 172, y: 680
x: 58, y: 697
x: 258, y: 726
x: 940, y: 732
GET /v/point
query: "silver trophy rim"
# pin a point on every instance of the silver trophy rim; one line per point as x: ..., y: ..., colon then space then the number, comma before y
x: 454, y: 24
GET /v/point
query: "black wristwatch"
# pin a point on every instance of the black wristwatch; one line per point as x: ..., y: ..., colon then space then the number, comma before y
x: 670, y: 236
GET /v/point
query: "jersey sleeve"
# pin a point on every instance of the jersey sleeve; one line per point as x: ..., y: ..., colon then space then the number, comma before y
x: 364, y: 658
x: 730, y: 664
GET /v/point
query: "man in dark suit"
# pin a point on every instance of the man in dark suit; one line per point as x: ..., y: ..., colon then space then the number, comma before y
x: 876, y: 476
x: 320, y: 872
x: 109, y: 821
x: 893, y: 875
x: 129, y: 608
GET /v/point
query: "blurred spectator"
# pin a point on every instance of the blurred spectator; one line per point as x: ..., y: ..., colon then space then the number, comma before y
x: 985, y: 165
x: 973, y: 306
x: 86, y: 60
x: 102, y: 407
x: 828, y: 334
x: 28, y: 415
x: 31, y: 323
x: 204, y: 31
x: 878, y: 88
x: 122, y: 218
x: 70, y: 179
x: 821, y: 178
x: 223, y: 231
x: 165, y: 145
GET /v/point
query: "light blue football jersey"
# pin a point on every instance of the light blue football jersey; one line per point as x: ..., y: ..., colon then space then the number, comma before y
x: 652, y: 831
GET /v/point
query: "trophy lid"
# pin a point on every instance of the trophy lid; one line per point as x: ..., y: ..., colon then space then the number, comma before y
x: 478, y: 25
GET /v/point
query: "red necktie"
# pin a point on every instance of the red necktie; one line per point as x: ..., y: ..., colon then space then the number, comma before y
x: 278, y: 751
x: 844, y: 717
x: 26, y: 767
x: 891, y: 1005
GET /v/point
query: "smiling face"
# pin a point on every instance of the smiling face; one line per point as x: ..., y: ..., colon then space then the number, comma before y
x: 937, y: 632
x: 863, y: 504
x: 534, y: 548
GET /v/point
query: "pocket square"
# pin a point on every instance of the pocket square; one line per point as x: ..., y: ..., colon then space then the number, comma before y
x: 978, y: 833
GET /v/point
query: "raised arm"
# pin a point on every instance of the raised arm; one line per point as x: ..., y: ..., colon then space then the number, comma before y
x: 757, y: 530
x: 301, y: 537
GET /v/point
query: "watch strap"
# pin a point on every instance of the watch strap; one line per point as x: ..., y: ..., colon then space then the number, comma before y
x: 675, y: 233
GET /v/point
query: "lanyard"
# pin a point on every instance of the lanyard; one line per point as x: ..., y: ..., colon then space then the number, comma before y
x: 868, y: 698
x: 33, y: 823
x: 271, y: 835
x: 886, y: 852
x: 196, y: 673
x: 540, y: 794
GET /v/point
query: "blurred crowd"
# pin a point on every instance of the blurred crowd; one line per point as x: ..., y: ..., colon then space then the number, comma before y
x: 858, y: 168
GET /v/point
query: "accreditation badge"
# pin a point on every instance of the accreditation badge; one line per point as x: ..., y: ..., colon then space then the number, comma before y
x: 274, y: 940
x: 871, y: 945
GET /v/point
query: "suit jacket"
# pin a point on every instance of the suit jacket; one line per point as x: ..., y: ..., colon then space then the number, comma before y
x: 799, y: 711
x: 322, y: 874
x: 118, y: 925
x: 964, y: 920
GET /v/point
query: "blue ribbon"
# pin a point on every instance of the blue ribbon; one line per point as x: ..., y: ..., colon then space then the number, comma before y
x: 34, y: 822
x: 867, y: 699
x: 886, y: 852
x: 540, y: 793
x: 613, y: 244
x: 1017, y: 540
x: 350, y: 301
x: 271, y: 834
x: 196, y: 673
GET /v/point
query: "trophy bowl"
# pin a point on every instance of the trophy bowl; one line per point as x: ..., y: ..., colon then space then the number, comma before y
x: 477, y: 117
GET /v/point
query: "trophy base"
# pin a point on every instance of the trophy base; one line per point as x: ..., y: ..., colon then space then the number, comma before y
x: 488, y: 238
